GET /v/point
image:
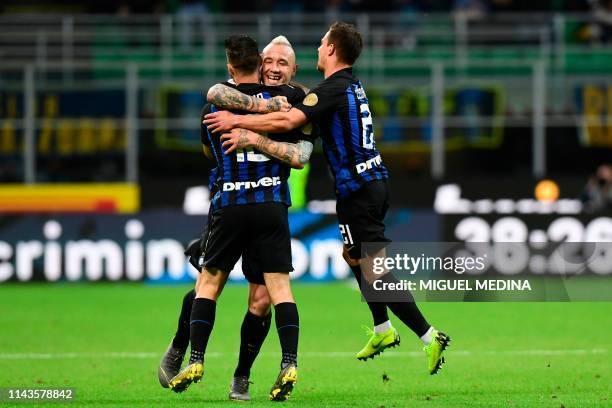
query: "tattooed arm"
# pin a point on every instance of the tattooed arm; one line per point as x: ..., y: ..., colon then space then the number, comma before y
x: 295, y: 155
x: 229, y: 98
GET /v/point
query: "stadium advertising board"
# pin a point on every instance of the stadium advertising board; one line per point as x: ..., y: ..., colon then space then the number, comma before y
x: 149, y: 246
x: 70, y: 198
x: 542, y: 229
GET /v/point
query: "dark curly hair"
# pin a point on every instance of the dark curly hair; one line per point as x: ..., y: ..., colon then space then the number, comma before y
x: 242, y: 53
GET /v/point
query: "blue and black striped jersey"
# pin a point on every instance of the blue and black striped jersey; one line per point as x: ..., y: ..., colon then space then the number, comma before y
x: 247, y: 176
x: 338, y: 106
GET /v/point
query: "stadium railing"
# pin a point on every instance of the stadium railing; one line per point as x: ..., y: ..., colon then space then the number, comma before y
x: 165, y: 38
x: 435, y: 83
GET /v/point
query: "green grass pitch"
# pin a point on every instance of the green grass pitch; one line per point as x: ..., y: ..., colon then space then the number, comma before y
x: 105, y: 341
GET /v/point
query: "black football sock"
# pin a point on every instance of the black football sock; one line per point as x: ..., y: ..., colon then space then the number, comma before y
x: 181, y: 338
x: 202, y: 322
x: 407, y: 310
x: 378, y: 309
x: 288, y: 327
x: 252, y: 335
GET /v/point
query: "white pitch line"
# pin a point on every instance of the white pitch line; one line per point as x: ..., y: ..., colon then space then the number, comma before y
x: 467, y: 353
x: 67, y: 356
x: 327, y: 354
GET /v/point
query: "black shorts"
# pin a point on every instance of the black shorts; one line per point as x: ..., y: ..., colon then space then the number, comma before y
x: 361, y: 217
x: 257, y: 232
x: 195, y: 255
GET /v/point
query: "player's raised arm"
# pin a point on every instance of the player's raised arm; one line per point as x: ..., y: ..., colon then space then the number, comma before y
x: 295, y: 155
x: 275, y: 122
x: 227, y: 97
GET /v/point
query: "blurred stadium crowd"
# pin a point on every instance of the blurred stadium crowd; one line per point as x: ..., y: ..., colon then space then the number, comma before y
x: 476, y: 7
x: 497, y: 104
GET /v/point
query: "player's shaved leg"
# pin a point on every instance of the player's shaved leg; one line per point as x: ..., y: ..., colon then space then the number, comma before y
x: 259, y: 300
x: 378, y: 310
x: 278, y: 288
x: 254, y: 329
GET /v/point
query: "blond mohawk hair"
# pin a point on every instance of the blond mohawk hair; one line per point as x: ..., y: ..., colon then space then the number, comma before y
x: 280, y: 40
